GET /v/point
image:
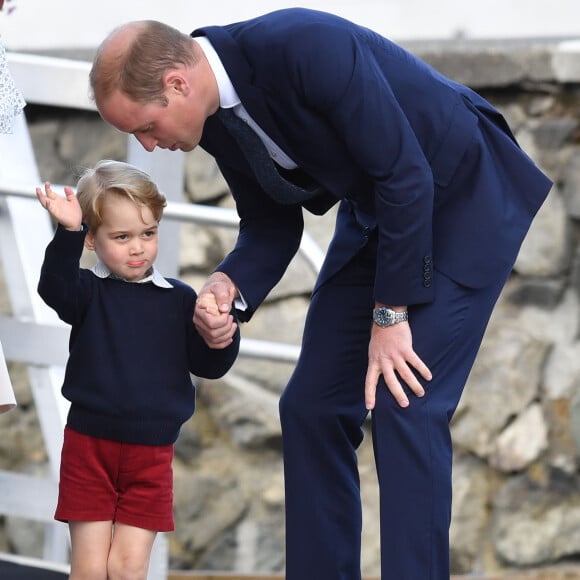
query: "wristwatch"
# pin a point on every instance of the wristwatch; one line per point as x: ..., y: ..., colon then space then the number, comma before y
x: 384, y: 316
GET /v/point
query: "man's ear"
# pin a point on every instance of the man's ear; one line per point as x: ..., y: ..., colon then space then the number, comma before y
x: 176, y: 81
x: 90, y: 241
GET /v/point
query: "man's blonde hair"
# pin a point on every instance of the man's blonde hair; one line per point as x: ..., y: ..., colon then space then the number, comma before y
x: 116, y: 178
x: 137, y: 69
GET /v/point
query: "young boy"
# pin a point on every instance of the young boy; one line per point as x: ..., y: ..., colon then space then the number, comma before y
x: 132, y: 348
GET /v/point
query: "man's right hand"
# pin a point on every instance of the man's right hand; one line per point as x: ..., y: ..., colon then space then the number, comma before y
x: 212, y: 316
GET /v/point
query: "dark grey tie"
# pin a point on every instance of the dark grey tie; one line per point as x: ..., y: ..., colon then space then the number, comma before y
x: 273, y: 183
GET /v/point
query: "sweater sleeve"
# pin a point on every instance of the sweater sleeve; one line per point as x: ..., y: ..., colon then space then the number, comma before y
x: 211, y: 363
x: 62, y: 285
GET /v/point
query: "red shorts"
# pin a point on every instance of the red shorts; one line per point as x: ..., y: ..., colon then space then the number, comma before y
x: 103, y: 480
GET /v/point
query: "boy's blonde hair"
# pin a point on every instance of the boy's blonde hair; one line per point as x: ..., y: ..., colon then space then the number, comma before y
x: 118, y: 178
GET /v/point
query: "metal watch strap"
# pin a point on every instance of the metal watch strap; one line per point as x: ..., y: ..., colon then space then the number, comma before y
x: 384, y: 316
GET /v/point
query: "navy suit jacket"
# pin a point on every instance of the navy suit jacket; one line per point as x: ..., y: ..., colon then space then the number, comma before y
x: 384, y: 134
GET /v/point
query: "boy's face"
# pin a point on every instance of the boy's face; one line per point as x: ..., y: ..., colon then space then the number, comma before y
x: 127, y: 240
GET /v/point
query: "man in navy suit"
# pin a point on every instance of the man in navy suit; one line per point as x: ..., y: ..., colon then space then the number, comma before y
x: 435, y: 199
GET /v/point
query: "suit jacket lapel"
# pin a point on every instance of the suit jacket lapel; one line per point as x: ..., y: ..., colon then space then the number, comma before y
x: 241, y: 74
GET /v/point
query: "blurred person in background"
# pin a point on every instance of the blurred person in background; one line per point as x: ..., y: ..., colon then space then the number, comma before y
x: 11, y: 104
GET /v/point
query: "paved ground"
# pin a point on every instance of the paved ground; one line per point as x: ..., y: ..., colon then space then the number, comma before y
x: 10, y: 570
x: 555, y: 573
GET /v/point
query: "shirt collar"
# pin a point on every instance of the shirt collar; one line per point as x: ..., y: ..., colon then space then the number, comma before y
x: 101, y: 271
x: 228, y: 96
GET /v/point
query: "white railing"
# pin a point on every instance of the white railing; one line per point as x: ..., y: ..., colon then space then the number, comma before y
x: 33, y: 334
x: 177, y: 212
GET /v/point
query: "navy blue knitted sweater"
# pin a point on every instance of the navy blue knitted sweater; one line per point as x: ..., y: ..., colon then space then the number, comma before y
x: 131, y: 351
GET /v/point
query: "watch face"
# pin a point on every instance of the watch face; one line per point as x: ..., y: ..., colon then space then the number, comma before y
x: 383, y: 316
x: 386, y: 317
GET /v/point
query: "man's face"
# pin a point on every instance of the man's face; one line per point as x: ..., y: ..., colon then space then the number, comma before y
x: 177, y: 125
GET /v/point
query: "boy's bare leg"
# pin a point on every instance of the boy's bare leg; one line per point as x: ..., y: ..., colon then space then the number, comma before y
x: 130, y: 552
x: 103, y: 552
x: 91, y: 544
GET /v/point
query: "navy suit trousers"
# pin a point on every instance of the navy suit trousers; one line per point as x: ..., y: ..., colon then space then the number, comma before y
x: 322, y: 412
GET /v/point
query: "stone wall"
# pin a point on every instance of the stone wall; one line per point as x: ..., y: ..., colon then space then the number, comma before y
x: 517, y: 430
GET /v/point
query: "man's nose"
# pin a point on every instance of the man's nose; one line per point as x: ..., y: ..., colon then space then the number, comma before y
x: 147, y: 141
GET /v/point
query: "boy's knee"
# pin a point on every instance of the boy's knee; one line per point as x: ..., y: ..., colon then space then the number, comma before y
x: 123, y: 567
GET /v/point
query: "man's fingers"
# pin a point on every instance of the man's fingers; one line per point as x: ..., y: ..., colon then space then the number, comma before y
x: 396, y: 389
x: 391, y: 355
x: 393, y: 385
x: 213, y: 322
x: 223, y: 296
x: 423, y: 370
x: 226, y: 299
x: 394, y: 380
x: 215, y: 328
x: 218, y: 345
x: 219, y: 296
x: 222, y: 340
x: 409, y: 378
x: 371, y: 382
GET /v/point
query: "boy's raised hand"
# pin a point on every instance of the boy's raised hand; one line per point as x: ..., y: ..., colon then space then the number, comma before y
x: 65, y: 210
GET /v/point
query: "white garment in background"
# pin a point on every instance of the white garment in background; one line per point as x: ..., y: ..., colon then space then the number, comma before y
x: 7, y: 398
x: 11, y: 104
x: 11, y: 100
